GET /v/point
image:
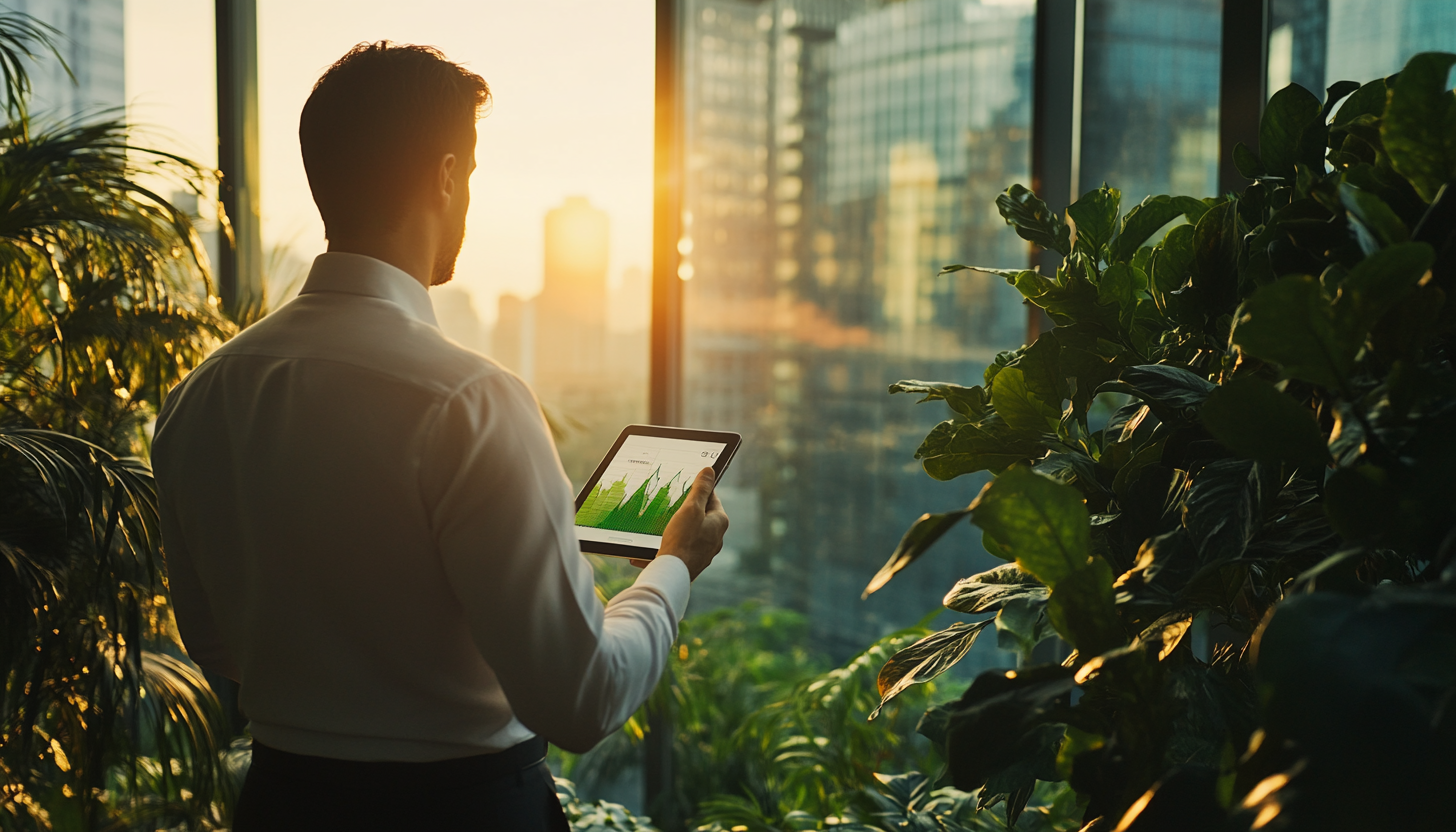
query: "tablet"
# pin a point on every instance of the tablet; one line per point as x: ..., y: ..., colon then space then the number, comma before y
x: 640, y: 485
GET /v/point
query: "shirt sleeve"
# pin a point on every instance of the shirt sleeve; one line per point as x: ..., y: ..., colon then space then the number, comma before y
x: 502, y: 512
x: 190, y: 606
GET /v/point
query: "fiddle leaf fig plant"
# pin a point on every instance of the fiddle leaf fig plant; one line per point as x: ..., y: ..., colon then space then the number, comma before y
x: 1247, y: 421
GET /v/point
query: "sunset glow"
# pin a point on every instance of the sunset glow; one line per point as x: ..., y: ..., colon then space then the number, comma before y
x: 572, y: 114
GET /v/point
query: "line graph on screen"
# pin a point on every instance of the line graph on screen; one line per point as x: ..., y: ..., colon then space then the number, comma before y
x: 645, y: 511
x: 645, y: 484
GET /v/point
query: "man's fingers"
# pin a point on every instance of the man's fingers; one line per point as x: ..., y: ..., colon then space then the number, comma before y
x: 714, y: 504
x: 703, y: 488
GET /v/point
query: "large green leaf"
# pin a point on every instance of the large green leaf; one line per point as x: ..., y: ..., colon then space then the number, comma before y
x: 1119, y: 287
x: 1083, y: 610
x: 1072, y: 300
x: 1368, y: 100
x: 953, y: 449
x: 1257, y: 421
x: 1021, y: 625
x: 1223, y: 508
x: 1090, y: 359
x: 1334, y: 93
x: 1150, y: 215
x: 1290, y: 323
x: 1288, y: 117
x: 1019, y: 406
x: 1039, y: 520
x: 1375, y: 224
x: 1172, y: 263
x: 926, y: 659
x: 1033, y: 220
x: 1035, y: 758
x: 1216, y: 242
x: 1095, y: 215
x: 1376, y: 284
x: 1387, y: 653
x: 1419, y: 128
x: 967, y: 401
x: 1247, y: 162
x: 1167, y: 389
x: 987, y: 727
x: 1041, y: 370
x: 990, y: 591
x: 921, y: 536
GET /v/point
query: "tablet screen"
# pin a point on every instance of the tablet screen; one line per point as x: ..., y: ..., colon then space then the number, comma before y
x: 641, y: 488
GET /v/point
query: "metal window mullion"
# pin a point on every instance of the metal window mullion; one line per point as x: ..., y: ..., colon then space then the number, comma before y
x: 664, y: 394
x: 665, y: 377
x: 1243, y: 69
x: 240, y: 263
x: 1056, y: 100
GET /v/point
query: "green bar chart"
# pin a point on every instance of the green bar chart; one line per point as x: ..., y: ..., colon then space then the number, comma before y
x: 645, y: 484
x: 645, y: 511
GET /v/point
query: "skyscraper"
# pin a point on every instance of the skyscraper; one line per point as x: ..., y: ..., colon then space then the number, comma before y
x: 571, y: 311
x: 838, y: 154
x: 513, y: 338
x: 92, y: 43
x: 1150, y: 97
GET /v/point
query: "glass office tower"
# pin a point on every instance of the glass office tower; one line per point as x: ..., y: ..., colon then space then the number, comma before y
x: 91, y: 42
x: 838, y: 154
x: 1315, y: 43
x: 1150, y: 97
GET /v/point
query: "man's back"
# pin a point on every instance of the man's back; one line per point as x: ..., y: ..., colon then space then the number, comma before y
x: 358, y: 513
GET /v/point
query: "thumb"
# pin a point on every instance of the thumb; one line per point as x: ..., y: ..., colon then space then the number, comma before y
x: 703, y: 488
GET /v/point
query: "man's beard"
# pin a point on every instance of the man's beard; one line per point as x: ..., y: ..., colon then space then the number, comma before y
x: 444, y: 268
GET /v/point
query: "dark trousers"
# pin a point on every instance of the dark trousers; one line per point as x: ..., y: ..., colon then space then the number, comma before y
x: 510, y: 790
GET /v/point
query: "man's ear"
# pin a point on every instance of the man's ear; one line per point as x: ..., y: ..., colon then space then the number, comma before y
x: 445, y: 177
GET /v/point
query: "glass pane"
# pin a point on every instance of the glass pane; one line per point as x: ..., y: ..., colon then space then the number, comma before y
x: 838, y: 155
x: 93, y: 45
x: 1150, y: 97
x: 170, y: 85
x: 552, y: 277
x: 1315, y: 43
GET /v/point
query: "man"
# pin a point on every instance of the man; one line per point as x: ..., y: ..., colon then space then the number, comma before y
x: 367, y: 526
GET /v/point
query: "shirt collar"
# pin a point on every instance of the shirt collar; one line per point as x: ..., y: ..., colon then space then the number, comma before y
x: 357, y: 274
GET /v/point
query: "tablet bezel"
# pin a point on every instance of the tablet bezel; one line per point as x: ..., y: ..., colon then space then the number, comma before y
x: 730, y: 441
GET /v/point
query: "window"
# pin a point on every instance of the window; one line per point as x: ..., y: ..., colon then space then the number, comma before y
x: 890, y: 130
x: 1150, y: 97
x: 1315, y: 43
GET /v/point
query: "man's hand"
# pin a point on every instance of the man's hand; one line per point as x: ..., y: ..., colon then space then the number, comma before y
x: 695, y: 533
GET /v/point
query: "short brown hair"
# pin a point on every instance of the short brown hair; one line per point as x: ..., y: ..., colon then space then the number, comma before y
x: 375, y: 123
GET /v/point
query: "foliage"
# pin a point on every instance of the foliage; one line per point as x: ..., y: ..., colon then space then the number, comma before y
x: 762, y: 728
x: 598, y: 816
x: 102, y: 308
x: 902, y: 801
x: 1279, y: 468
x: 728, y: 664
x: 99, y: 313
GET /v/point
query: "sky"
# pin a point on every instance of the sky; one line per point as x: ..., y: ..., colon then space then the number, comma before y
x: 572, y: 82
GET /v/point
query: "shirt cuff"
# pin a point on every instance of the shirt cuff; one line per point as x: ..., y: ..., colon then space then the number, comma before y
x: 668, y: 576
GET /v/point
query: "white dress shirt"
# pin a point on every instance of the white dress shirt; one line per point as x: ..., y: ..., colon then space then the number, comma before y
x: 368, y: 527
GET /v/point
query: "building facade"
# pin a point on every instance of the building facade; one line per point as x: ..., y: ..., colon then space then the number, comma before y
x: 571, y: 311
x: 838, y: 154
x: 92, y: 43
x: 1150, y: 75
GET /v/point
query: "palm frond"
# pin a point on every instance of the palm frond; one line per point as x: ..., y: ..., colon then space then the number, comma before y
x: 105, y: 300
x: 23, y: 38
x: 105, y: 303
x: 94, y: 680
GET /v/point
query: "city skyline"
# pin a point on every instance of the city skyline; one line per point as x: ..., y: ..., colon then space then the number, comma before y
x: 572, y: 113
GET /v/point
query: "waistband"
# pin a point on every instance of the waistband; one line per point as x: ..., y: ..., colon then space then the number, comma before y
x: 479, y: 768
